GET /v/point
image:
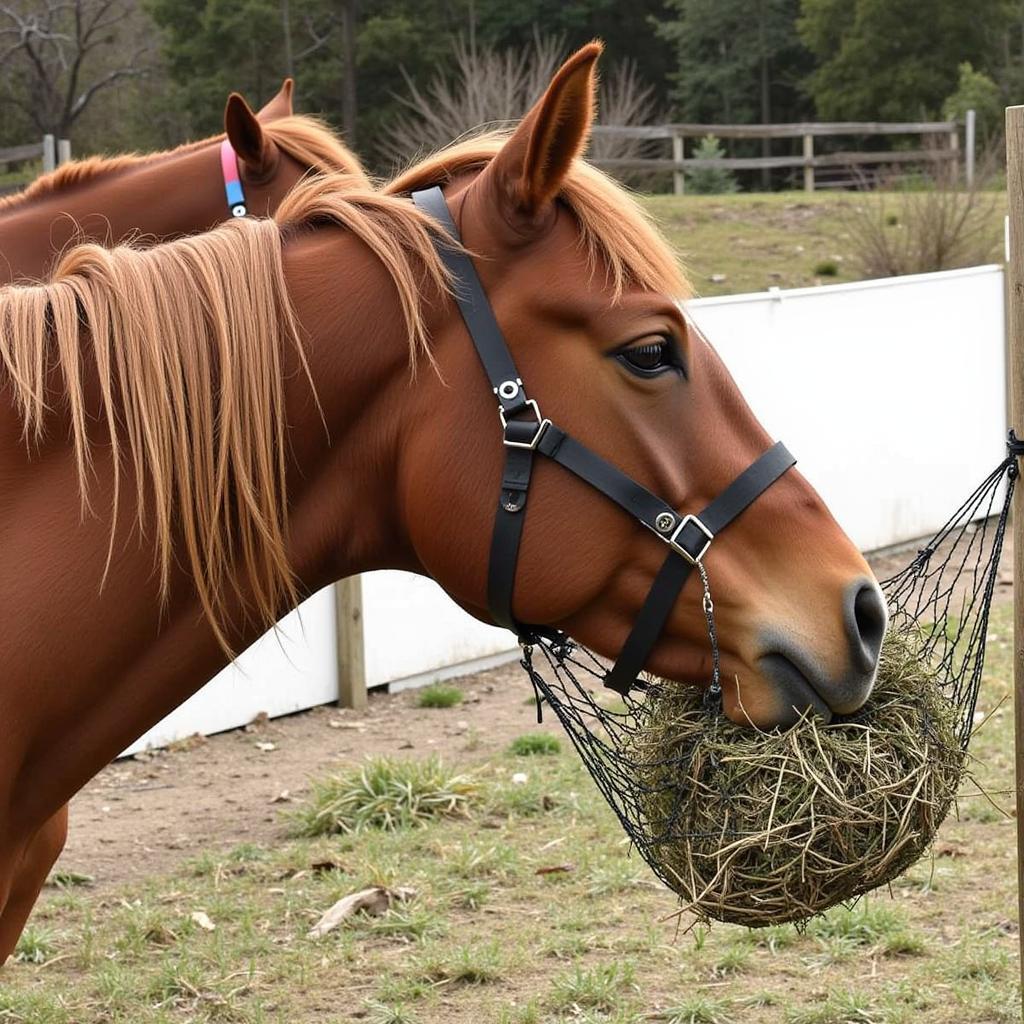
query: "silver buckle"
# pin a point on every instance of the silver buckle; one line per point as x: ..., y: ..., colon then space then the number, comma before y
x: 674, y: 544
x: 542, y: 425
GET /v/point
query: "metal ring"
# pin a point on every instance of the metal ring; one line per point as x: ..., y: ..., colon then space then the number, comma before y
x: 508, y: 390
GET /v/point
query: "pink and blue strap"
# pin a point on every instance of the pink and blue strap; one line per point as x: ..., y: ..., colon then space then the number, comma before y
x: 232, y: 182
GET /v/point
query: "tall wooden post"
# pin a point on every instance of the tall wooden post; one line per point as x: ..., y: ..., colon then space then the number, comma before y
x: 348, y: 604
x: 49, y: 154
x: 970, y: 143
x: 808, y: 166
x: 1015, y: 296
x: 678, y: 178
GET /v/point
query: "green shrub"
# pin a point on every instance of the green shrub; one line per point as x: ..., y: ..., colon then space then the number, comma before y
x: 385, y: 793
x: 532, y: 743
x: 437, y: 695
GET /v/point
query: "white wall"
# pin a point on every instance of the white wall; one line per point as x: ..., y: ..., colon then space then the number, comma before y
x: 890, y: 393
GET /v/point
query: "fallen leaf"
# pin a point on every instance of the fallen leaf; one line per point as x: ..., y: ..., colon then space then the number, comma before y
x: 282, y: 798
x: 335, y: 724
x: 266, y: 747
x: 202, y: 920
x: 374, y: 902
x: 555, y: 869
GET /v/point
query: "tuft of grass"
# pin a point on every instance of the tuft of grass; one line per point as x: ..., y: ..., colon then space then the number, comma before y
x: 389, y: 1013
x: 437, y: 695
x: 600, y: 988
x: 35, y: 946
x: 535, y: 743
x: 384, y: 793
x: 477, y: 964
x: 699, y: 1009
x: 868, y: 924
x: 826, y: 268
x: 839, y: 1008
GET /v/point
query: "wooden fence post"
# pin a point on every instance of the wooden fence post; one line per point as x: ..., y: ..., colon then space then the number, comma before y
x: 954, y: 151
x: 63, y: 151
x: 970, y: 135
x: 808, y: 167
x: 678, y: 178
x: 348, y: 605
x: 1015, y: 294
x: 49, y: 154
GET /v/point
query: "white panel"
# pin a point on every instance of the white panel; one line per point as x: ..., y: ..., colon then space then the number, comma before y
x: 412, y: 627
x: 284, y: 671
x: 890, y: 393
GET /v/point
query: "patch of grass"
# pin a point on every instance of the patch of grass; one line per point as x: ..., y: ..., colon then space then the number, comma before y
x: 871, y: 924
x: 389, y: 1013
x: 535, y: 743
x: 599, y: 988
x: 733, y: 960
x: 975, y: 961
x: 840, y: 1008
x: 438, y: 695
x: 826, y: 268
x: 699, y: 1009
x: 385, y: 793
x: 476, y: 964
x: 36, y: 946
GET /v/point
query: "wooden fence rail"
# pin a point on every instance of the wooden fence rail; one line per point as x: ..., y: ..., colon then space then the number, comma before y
x: 53, y: 152
x: 946, y: 151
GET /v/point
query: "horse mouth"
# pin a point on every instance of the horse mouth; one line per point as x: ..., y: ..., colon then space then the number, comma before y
x: 798, y: 693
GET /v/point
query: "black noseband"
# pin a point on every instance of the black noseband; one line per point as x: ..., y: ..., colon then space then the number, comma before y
x: 527, y: 434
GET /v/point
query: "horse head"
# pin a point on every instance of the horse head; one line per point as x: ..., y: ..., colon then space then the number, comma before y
x: 587, y: 295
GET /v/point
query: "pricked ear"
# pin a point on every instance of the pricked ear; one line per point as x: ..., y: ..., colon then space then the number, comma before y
x: 531, y: 166
x: 281, y: 105
x: 247, y: 137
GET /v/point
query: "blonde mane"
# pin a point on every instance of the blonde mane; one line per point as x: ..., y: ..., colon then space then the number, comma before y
x: 305, y: 139
x: 187, y: 341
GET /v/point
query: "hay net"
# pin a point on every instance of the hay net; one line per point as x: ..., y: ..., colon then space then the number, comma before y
x: 942, y: 596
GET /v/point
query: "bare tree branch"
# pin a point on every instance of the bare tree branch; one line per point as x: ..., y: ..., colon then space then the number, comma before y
x: 58, y: 55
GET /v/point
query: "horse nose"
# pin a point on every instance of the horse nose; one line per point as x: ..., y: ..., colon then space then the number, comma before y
x: 866, y: 618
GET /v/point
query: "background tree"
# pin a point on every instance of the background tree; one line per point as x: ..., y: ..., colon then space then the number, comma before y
x: 737, y: 61
x: 896, y: 60
x: 57, y: 56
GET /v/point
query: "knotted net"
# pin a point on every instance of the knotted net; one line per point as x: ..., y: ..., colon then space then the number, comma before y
x: 762, y: 827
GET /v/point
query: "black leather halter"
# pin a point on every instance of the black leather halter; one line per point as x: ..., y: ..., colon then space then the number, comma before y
x: 528, y: 434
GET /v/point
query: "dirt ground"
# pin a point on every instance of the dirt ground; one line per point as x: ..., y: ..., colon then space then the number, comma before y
x: 146, y: 815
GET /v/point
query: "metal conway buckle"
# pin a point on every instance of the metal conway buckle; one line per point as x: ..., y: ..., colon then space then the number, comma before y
x: 673, y: 541
x: 542, y: 425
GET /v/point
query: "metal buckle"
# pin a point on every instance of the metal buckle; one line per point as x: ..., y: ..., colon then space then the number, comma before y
x: 542, y: 425
x: 676, y: 546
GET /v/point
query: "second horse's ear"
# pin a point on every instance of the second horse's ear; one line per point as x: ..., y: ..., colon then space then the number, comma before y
x: 249, y: 141
x: 281, y: 105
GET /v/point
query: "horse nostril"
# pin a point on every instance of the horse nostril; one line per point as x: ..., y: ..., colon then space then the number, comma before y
x: 866, y: 620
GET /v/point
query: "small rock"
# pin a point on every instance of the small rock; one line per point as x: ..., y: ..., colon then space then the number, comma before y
x: 520, y: 778
x: 718, y: 278
x: 266, y: 747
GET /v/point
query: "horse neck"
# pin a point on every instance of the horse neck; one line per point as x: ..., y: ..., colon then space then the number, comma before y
x: 163, y: 196
x: 88, y: 669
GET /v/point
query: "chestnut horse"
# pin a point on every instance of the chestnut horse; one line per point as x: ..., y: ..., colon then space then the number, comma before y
x: 215, y: 427
x: 165, y: 195
x: 157, y: 196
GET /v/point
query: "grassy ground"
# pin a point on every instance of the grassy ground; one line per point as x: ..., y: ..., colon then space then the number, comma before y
x: 753, y: 241
x: 528, y: 911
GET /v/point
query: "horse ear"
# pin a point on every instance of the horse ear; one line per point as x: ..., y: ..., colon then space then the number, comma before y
x: 281, y: 105
x: 531, y: 166
x: 247, y: 137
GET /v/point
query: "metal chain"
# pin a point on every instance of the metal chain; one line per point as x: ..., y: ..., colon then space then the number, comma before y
x: 715, y: 689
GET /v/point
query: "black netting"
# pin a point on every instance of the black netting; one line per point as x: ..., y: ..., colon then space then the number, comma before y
x: 945, y: 591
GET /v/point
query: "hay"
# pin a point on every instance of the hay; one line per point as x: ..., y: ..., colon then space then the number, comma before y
x: 758, y: 828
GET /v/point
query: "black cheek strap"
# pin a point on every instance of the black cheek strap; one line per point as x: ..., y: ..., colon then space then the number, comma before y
x: 526, y: 433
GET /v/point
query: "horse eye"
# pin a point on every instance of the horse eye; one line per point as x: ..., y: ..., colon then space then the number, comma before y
x: 650, y: 359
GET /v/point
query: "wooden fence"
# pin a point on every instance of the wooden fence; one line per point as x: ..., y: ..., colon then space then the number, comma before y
x: 944, y: 147
x: 53, y: 152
